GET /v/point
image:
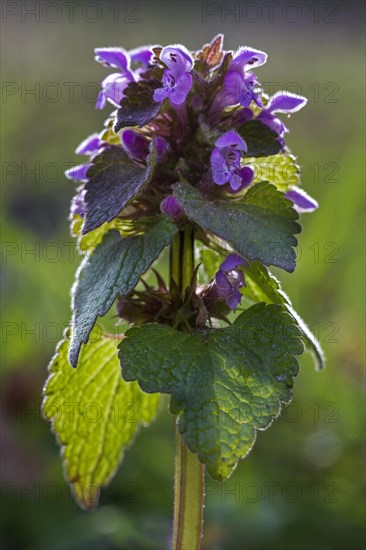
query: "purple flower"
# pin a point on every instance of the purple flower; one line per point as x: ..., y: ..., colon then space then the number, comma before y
x: 239, y: 83
x: 177, y: 59
x: 78, y: 173
x: 176, y: 88
x: 281, y: 103
x: 177, y: 80
x: 285, y: 102
x: 247, y: 57
x: 112, y: 90
x: 239, y: 88
x: 171, y: 207
x: 229, y: 280
x: 113, y: 85
x: 135, y: 143
x: 121, y: 59
x: 141, y: 55
x: 301, y: 200
x: 113, y: 57
x: 90, y: 146
x: 78, y: 204
x: 225, y: 162
x: 246, y: 173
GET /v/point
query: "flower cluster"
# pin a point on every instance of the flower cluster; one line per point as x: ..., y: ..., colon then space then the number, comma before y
x: 194, y: 117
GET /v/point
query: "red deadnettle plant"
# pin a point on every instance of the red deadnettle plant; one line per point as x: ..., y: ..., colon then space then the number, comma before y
x: 192, y: 158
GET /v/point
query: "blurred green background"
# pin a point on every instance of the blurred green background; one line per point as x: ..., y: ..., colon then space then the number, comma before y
x: 302, y: 486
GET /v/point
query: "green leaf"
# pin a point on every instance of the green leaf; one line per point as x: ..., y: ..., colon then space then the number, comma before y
x: 87, y: 243
x: 138, y: 106
x: 260, y: 139
x: 95, y: 414
x: 282, y: 170
x: 114, y: 180
x: 262, y: 286
x: 224, y: 383
x: 211, y: 260
x: 259, y: 227
x: 114, y: 268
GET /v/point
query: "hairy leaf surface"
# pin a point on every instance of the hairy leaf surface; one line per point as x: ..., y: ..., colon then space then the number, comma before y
x: 260, y: 227
x: 114, y: 180
x: 138, y: 106
x: 95, y: 414
x: 260, y: 139
x: 263, y: 286
x: 224, y: 383
x: 282, y: 170
x: 114, y: 268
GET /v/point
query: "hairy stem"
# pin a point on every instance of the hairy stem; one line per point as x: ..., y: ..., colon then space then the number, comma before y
x: 189, y: 472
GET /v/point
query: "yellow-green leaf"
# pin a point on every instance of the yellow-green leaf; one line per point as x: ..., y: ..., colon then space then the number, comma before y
x: 95, y: 414
x: 87, y: 243
x: 282, y: 170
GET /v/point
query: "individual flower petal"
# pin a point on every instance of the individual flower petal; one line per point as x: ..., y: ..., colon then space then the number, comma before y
x: 113, y: 87
x: 176, y: 88
x: 171, y: 207
x: 251, y: 82
x: 113, y: 57
x: 270, y: 120
x: 184, y: 83
x: 79, y: 172
x: 101, y: 100
x: 247, y: 57
x: 160, y: 94
x: 235, y: 182
x: 246, y: 175
x: 302, y: 201
x: 232, y: 261
x: 285, y: 102
x: 177, y: 59
x: 135, y: 143
x: 222, y: 284
x: 181, y: 89
x: 238, y: 88
x: 233, y: 89
x: 220, y: 172
x: 141, y: 55
x: 234, y: 299
x: 231, y: 139
x: 90, y: 145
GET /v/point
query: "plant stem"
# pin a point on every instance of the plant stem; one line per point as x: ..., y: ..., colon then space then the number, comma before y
x: 188, y: 498
x: 189, y: 472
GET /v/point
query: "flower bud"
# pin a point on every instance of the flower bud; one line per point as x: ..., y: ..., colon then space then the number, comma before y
x: 171, y: 207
